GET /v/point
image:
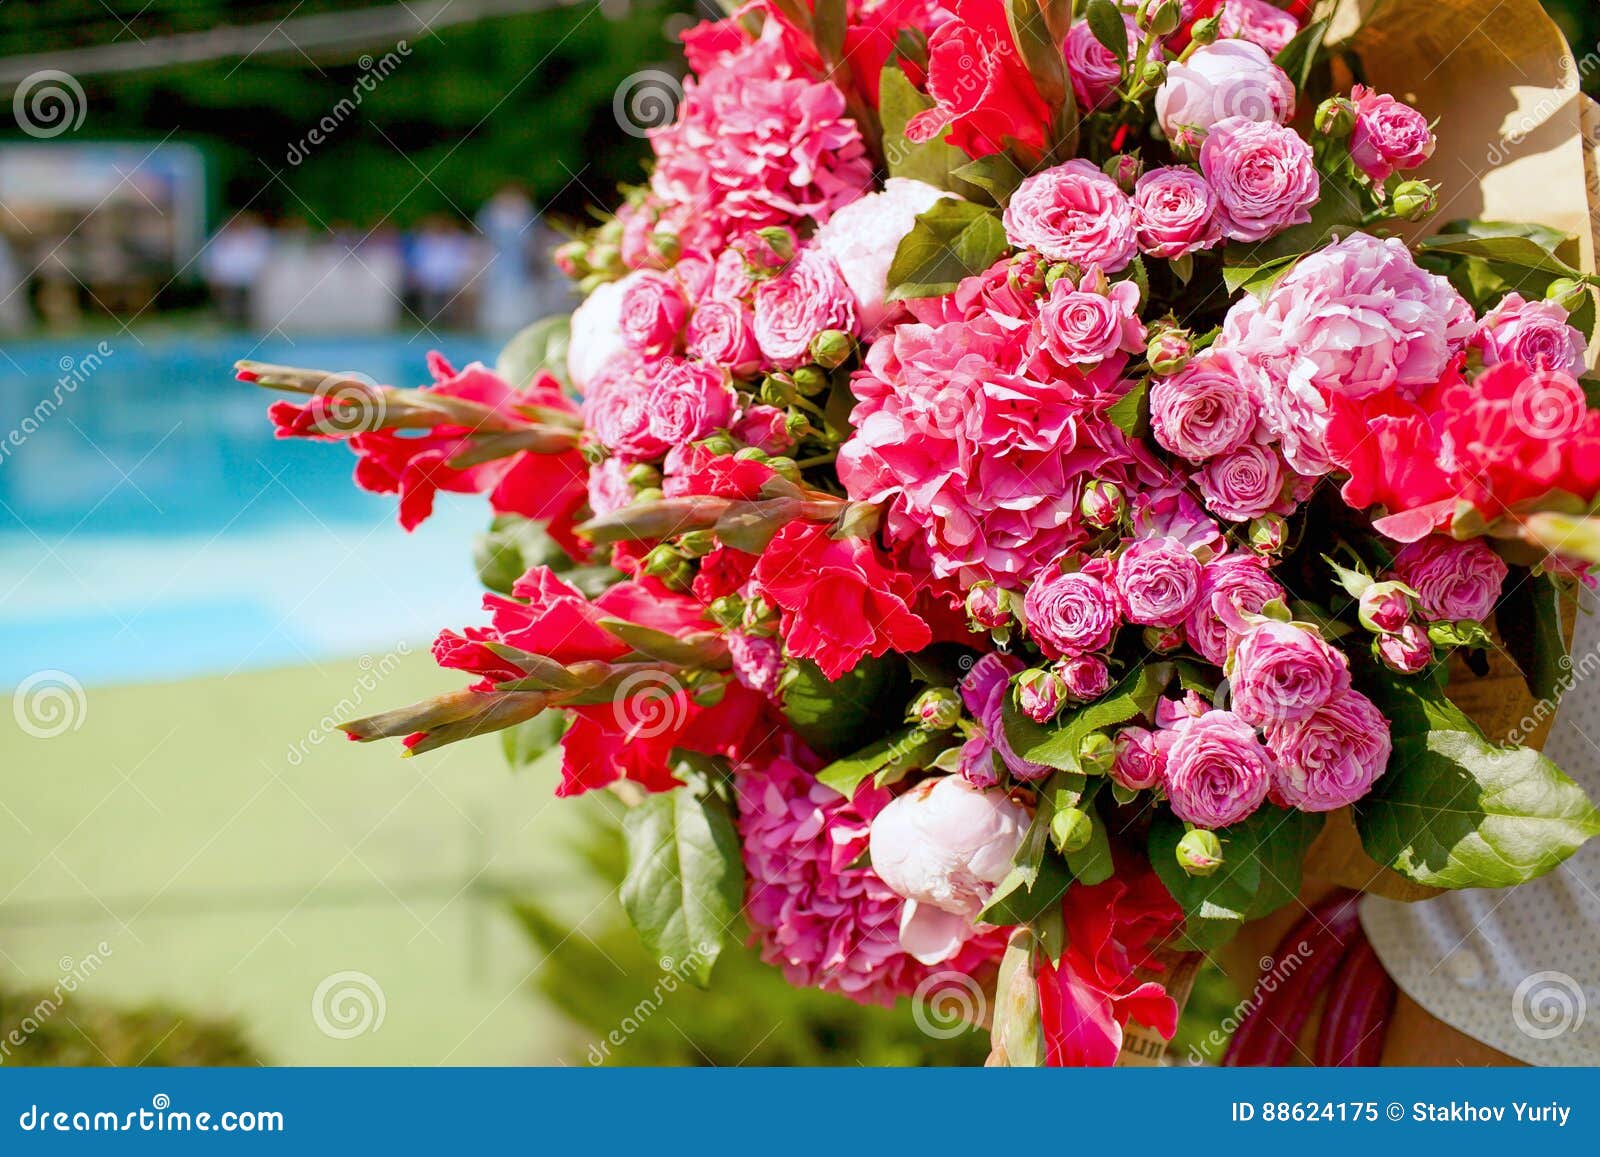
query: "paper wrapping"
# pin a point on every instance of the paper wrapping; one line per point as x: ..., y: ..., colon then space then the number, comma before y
x: 1518, y: 141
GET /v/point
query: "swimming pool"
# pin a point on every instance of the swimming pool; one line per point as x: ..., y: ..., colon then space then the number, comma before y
x: 151, y: 526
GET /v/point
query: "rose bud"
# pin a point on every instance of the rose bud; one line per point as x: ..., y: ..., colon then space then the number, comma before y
x: 1199, y: 853
x: 1096, y: 753
x: 728, y: 611
x: 666, y: 244
x: 831, y: 348
x: 936, y: 709
x: 1385, y: 607
x: 697, y: 543
x: 1086, y: 677
x: 1152, y: 73
x: 1336, y: 117
x: 1071, y: 829
x: 988, y: 606
x: 1103, y: 504
x: 1163, y: 639
x: 760, y: 617
x: 1041, y: 694
x: 1206, y: 31
x: 643, y: 476
x: 1169, y: 351
x: 1125, y: 169
x: 810, y: 380
x: 1408, y: 651
x: 1139, y: 759
x: 1268, y: 534
x: 1568, y: 294
x: 572, y: 258
x: 665, y: 563
x: 1415, y: 200
x: 1160, y: 17
x: 943, y: 846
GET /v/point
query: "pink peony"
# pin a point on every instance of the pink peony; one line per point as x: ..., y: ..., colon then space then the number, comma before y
x: 1331, y: 757
x: 723, y: 334
x: 1229, y: 585
x: 1069, y: 614
x: 793, y: 308
x: 1094, y: 70
x: 1206, y: 409
x: 1454, y: 581
x: 653, y: 312
x: 1175, y: 213
x: 826, y: 923
x: 756, y: 142
x: 1083, y: 326
x: 1158, y: 580
x: 1535, y: 333
x: 1389, y: 136
x: 1075, y: 213
x: 1281, y: 672
x: 1225, y: 80
x: 944, y: 845
x: 1139, y: 760
x: 1244, y: 483
x: 862, y: 238
x: 1264, y: 176
x: 1217, y: 773
x: 1261, y: 23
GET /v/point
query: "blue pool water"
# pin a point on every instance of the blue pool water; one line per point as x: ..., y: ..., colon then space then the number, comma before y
x: 152, y: 527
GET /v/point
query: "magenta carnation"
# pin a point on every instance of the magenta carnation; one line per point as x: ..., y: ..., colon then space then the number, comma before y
x: 1217, y: 773
x: 1331, y: 757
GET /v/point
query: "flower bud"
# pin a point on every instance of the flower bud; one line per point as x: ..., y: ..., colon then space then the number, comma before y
x: 647, y: 495
x: 1407, y: 651
x: 760, y: 617
x: 605, y: 259
x: 1336, y: 117
x: 810, y: 380
x: 1041, y: 694
x: 1139, y: 759
x: 1568, y: 294
x: 666, y: 243
x: 786, y: 467
x: 1268, y: 534
x: 697, y: 543
x: 728, y: 611
x: 1057, y: 271
x: 719, y: 444
x: 1125, y: 169
x: 936, y: 709
x: 1163, y: 639
x: 988, y: 606
x: 1199, y: 852
x: 665, y: 563
x: 1169, y: 351
x: 1071, y: 829
x: 1415, y: 200
x: 832, y: 348
x: 572, y: 258
x: 1160, y: 17
x: 643, y: 476
x: 1087, y: 677
x: 1153, y: 73
x: 779, y: 240
x: 1385, y: 607
x: 1206, y: 31
x: 778, y: 390
x: 1096, y: 753
x: 1103, y: 504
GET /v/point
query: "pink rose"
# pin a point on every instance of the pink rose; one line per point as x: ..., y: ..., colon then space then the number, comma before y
x: 1094, y: 70
x: 1331, y: 757
x: 1535, y: 333
x: 1206, y: 409
x: 1229, y: 585
x: 1231, y: 78
x: 609, y: 489
x: 863, y: 236
x: 1384, y: 607
x: 1261, y: 23
x: 723, y: 333
x: 1159, y: 581
x: 1408, y: 650
x: 1070, y: 613
x: 1075, y: 213
x: 802, y: 301
x: 757, y: 662
x: 1389, y: 136
x: 1087, y: 677
x: 731, y: 280
x: 653, y: 312
x: 1080, y: 326
x: 1217, y: 772
x: 766, y: 428
x: 1264, y: 176
x: 688, y: 400
x: 1281, y: 672
x: 1139, y: 760
x: 1244, y: 483
x: 616, y: 411
x: 1175, y: 212
x: 1454, y: 581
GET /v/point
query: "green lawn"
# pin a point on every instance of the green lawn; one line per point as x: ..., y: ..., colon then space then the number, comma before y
x: 227, y: 875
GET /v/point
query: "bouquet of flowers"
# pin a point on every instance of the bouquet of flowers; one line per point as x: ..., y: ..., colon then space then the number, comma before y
x: 1008, y: 483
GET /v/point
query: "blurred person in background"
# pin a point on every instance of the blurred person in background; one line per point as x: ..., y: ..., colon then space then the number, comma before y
x: 232, y: 265
x: 508, y: 289
x: 13, y: 291
x: 444, y: 261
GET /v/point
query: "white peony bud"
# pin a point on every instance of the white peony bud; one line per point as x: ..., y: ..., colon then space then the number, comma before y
x: 596, y: 333
x: 863, y: 236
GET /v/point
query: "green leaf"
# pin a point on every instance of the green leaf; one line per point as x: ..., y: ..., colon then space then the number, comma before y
x: 1129, y: 412
x: 1299, y: 56
x: 1015, y: 901
x: 1260, y: 871
x: 1057, y: 746
x: 1040, y: 52
x: 1530, y: 622
x: 528, y: 740
x: 906, y: 750
x: 1516, y: 249
x: 510, y: 547
x: 951, y: 240
x: 685, y: 878
x: 829, y: 23
x: 997, y: 175
x: 1105, y: 21
x: 931, y: 162
x: 1257, y: 280
x: 541, y: 346
x: 842, y: 716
